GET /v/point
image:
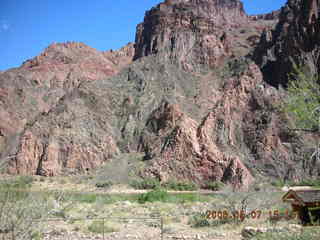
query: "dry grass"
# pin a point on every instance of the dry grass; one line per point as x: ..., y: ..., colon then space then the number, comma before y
x: 177, y: 215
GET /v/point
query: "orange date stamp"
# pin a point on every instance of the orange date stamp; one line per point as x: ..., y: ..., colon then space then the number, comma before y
x: 255, y: 214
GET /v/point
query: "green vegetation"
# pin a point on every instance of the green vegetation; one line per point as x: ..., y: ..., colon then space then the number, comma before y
x: 303, y: 99
x: 83, y: 198
x: 99, y: 226
x: 152, y: 183
x: 156, y: 195
x: 161, y: 195
x: 21, y: 211
x: 180, y: 186
x: 19, y: 182
x: 278, y: 183
x: 105, y: 184
x: 148, y: 183
x: 309, y: 182
x: 214, y: 186
x: 36, y: 236
x: 305, y: 182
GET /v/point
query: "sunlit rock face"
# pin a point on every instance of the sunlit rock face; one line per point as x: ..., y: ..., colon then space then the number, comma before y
x: 186, y: 96
x: 190, y: 33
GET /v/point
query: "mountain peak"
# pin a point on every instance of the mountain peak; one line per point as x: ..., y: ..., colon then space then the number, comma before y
x: 189, y: 32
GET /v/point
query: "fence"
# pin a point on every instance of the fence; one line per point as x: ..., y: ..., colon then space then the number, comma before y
x: 133, y: 228
x: 106, y: 228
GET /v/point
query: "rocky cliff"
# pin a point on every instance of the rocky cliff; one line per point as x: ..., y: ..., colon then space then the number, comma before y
x: 192, y: 102
x: 295, y: 40
x: 36, y: 89
x: 195, y: 33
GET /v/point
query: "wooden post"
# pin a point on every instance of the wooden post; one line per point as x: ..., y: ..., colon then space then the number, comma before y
x: 13, y: 238
x: 161, y: 225
x: 103, y: 228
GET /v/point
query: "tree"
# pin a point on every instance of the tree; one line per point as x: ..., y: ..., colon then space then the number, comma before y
x: 303, y: 100
x: 303, y: 105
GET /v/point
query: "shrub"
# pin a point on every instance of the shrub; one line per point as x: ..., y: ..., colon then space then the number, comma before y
x: 21, y: 212
x: 180, y: 186
x: 106, y: 184
x: 154, y: 196
x: 149, y: 183
x: 278, y: 183
x: 23, y: 181
x: 101, y: 227
x: 214, y: 186
x: 309, y: 182
x: 36, y: 236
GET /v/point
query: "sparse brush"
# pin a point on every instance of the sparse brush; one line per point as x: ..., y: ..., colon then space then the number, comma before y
x: 148, y: 183
x: 21, y: 212
x: 214, y: 186
x: 20, y: 182
x: 99, y: 226
x: 104, y: 184
x: 180, y: 186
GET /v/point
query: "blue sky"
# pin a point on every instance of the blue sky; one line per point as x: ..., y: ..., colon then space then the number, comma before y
x: 29, y: 26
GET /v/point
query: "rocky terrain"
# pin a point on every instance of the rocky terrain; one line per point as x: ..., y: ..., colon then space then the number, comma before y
x: 188, y: 95
x: 295, y: 40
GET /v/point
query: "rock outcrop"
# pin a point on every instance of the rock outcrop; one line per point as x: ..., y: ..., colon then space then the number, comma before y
x: 190, y: 33
x: 192, y: 102
x: 36, y: 89
x: 295, y: 40
x: 274, y: 15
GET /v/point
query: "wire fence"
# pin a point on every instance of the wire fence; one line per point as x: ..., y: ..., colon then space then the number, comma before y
x: 106, y: 228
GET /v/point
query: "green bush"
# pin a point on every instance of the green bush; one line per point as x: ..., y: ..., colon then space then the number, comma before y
x: 309, y: 182
x: 156, y: 195
x: 100, y: 227
x: 23, y: 181
x: 36, y: 236
x: 148, y: 183
x: 278, y: 183
x: 214, y: 186
x: 180, y: 186
x: 106, y: 184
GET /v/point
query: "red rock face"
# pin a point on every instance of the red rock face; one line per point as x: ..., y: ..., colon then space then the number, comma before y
x: 34, y: 90
x: 67, y: 64
x: 202, y: 151
x: 190, y: 33
x: 193, y: 103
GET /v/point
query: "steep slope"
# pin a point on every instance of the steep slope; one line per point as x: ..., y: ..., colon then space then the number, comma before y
x: 196, y: 34
x: 192, y: 102
x: 294, y: 40
x: 39, y: 85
